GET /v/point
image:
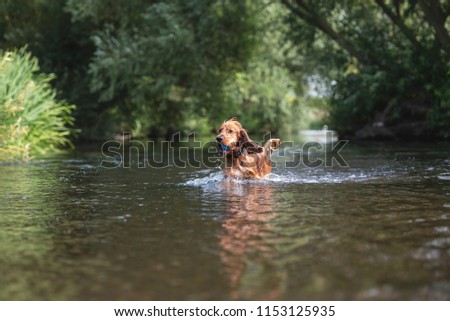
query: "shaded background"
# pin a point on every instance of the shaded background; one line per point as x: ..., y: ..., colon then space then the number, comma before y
x: 374, y: 69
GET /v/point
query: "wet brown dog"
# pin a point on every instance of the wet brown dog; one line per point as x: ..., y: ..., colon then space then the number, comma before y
x: 243, y: 157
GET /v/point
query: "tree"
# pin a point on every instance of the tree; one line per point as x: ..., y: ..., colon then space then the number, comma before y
x: 387, y: 61
x: 165, y: 60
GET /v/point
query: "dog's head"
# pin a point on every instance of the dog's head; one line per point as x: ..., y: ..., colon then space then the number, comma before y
x: 232, y: 136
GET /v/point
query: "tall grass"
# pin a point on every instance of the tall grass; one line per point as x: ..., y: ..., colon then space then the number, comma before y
x: 32, y: 120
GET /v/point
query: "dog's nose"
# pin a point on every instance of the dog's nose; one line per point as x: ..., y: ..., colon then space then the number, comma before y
x: 219, y: 138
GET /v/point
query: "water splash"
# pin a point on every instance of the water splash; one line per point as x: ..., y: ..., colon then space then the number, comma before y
x: 307, y: 176
x: 206, y: 180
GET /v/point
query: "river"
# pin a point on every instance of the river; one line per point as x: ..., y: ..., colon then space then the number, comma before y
x: 377, y: 229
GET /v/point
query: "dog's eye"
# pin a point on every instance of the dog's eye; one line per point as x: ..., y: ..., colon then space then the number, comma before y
x: 230, y: 131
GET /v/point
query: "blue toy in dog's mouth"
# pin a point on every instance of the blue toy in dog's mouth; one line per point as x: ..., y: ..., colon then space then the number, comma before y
x: 224, y: 148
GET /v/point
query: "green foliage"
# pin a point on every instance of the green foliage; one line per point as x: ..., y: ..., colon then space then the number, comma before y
x: 264, y: 96
x: 166, y: 60
x: 32, y: 120
x: 160, y: 66
x: 384, y: 61
x: 63, y: 48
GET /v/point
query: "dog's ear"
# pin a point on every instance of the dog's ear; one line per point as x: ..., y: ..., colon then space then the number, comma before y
x: 243, y: 137
x: 247, y: 143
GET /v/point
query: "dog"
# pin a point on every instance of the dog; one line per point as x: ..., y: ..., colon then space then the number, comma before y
x: 244, y: 158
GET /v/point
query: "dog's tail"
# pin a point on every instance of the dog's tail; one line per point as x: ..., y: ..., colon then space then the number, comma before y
x: 272, y: 145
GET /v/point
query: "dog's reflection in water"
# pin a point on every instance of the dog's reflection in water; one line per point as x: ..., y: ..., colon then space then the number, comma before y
x: 247, y: 242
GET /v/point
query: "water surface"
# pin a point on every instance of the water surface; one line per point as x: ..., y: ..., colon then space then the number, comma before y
x: 378, y: 229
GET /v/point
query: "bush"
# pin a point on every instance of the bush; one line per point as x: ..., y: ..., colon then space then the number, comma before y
x: 32, y: 120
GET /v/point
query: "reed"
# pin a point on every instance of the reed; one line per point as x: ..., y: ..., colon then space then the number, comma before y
x: 32, y: 120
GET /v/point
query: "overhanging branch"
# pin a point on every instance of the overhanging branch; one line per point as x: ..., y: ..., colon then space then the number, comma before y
x: 396, y: 19
x: 307, y: 14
